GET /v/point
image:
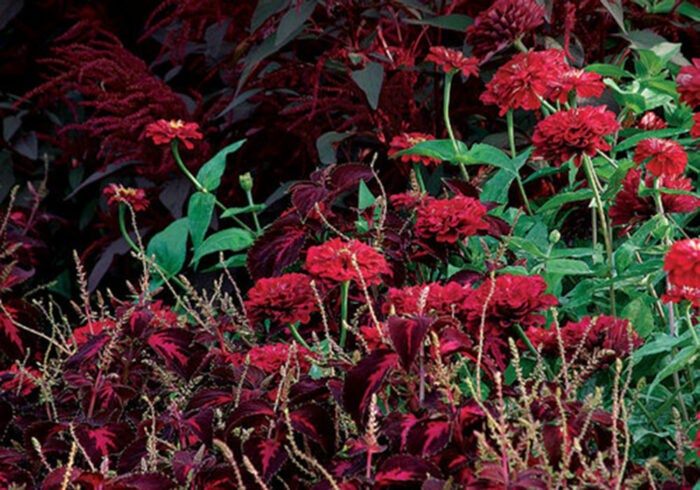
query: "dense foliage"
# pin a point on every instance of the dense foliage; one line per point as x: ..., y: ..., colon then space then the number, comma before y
x: 350, y: 244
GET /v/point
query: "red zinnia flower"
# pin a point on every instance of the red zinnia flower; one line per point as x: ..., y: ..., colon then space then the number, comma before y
x: 450, y: 59
x: 426, y: 299
x: 164, y: 132
x: 630, y: 208
x: 572, y: 133
x: 502, y: 23
x: 333, y: 260
x: 688, y: 81
x: 271, y: 357
x: 695, y: 130
x: 696, y: 444
x: 408, y: 200
x: 285, y: 299
x: 119, y: 194
x: 408, y: 140
x: 683, y: 263
x: 526, y: 77
x: 667, y: 156
x: 677, y: 294
x: 448, y: 220
x: 586, y: 84
x: 651, y: 121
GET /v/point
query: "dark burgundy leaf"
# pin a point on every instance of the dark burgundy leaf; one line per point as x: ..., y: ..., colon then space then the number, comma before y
x: 347, y: 177
x: 249, y: 413
x: 88, y: 351
x: 428, y: 437
x: 306, y: 194
x: 210, y: 398
x: 365, y: 379
x: 201, y: 425
x: 132, y: 455
x: 396, y: 427
x: 307, y: 389
x: 172, y: 345
x: 458, y: 186
x: 407, y: 335
x: 404, y: 469
x: 141, y: 481
x: 54, y: 480
x: 315, y: 423
x: 267, y: 455
x: 104, y: 440
x: 277, y: 248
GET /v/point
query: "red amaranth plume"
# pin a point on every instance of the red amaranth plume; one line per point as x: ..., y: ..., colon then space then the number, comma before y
x: 118, y: 90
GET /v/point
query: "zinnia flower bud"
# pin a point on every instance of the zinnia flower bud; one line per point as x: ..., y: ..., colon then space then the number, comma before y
x: 246, y: 181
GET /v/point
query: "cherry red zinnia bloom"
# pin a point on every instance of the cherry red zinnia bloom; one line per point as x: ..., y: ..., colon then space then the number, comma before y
x: 450, y: 59
x: 164, y: 132
x: 573, y: 133
x: 408, y: 140
x: 586, y: 84
x: 448, y: 220
x: 334, y: 260
x: 119, y: 194
x: 434, y: 299
x: 667, y: 156
x: 683, y: 263
x: 271, y: 357
x: 650, y: 121
x: 630, y: 208
x: 285, y: 299
x: 502, y: 23
x: 524, y: 79
x: 677, y: 294
x: 695, y: 130
x: 688, y: 81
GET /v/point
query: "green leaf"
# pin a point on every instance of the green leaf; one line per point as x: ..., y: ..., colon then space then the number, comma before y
x: 265, y: 10
x: 662, y: 343
x: 632, y: 141
x: 238, y: 260
x: 543, y: 172
x: 496, y: 188
x: 617, y: 12
x: 438, y: 149
x: 640, y: 315
x: 453, y: 22
x: 233, y: 239
x: 210, y: 173
x: 370, y: 80
x: 685, y: 357
x: 560, y: 199
x: 517, y: 243
x: 365, y: 198
x: 255, y: 208
x: 648, y: 39
x: 325, y: 145
x: 199, y: 213
x: 608, y: 70
x: 293, y: 21
x: 483, y: 153
x: 170, y: 247
x: 568, y: 267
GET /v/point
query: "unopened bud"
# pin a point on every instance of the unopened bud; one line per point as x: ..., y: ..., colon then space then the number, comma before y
x: 246, y: 181
x: 554, y: 236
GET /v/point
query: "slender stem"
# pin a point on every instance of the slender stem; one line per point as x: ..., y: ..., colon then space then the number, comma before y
x: 607, y: 158
x: 657, y: 197
x: 511, y: 141
x: 297, y: 336
x: 518, y: 43
x: 249, y: 196
x: 419, y: 176
x: 448, y: 124
x: 690, y: 325
x: 531, y: 348
x: 590, y: 172
x: 344, y: 290
x: 122, y: 227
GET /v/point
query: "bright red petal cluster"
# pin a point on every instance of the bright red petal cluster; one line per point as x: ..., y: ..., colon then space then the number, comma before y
x: 285, y: 299
x: 695, y: 130
x: 433, y: 299
x: 502, y: 23
x: 334, y: 260
x: 573, y: 133
x: 677, y: 294
x: 408, y: 140
x: 450, y: 59
x: 630, y: 208
x: 667, y: 156
x: 163, y: 132
x: 524, y: 79
x: 119, y: 194
x: 683, y: 263
x: 448, y: 220
x: 96, y: 327
x: 650, y: 121
x: 586, y: 84
x: 602, y: 333
x: 271, y: 357
x: 688, y: 81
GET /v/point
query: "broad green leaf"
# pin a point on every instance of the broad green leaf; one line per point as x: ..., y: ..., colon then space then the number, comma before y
x: 543, y: 172
x: 233, y: 239
x: 662, y: 343
x: 565, y: 197
x: 648, y: 39
x: 365, y: 198
x: 483, y: 153
x: 293, y: 21
x: 568, y: 267
x: 517, y: 243
x: 640, y: 315
x: 237, y: 260
x: 685, y: 357
x: 242, y: 210
x: 170, y: 247
x: 199, y: 213
x: 265, y: 10
x: 632, y: 141
x: 454, y: 22
x: 438, y: 149
x: 497, y: 187
x: 325, y: 145
x: 210, y: 173
x: 370, y: 80
x: 608, y: 70
x: 617, y: 12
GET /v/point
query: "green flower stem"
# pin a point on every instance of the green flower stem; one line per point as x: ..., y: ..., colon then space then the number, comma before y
x: 531, y: 348
x: 518, y: 43
x: 199, y: 186
x: 297, y: 336
x: 344, y: 290
x: 657, y: 197
x: 607, y: 158
x: 690, y: 325
x: 448, y: 124
x: 511, y: 141
x: 122, y: 227
x: 419, y: 176
x: 607, y: 236
x: 249, y: 196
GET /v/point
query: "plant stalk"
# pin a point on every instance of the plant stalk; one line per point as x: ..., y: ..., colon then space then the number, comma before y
x: 448, y: 124
x: 511, y: 141
x: 344, y: 291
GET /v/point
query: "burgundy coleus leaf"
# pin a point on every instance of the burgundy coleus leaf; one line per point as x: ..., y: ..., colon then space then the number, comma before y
x: 428, y: 437
x: 396, y: 427
x: 105, y: 440
x: 88, y: 352
x: 407, y: 335
x: 267, y: 455
x: 172, y: 345
x: 314, y: 422
x: 458, y: 186
x: 404, y: 469
x: 306, y: 194
x: 347, y: 177
x: 140, y: 481
x: 54, y: 480
x: 250, y: 413
x: 277, y: 248
x: 9, y: 330
x: 365, y: 379
x: 210, y: 398
x: 201, y: 426
x: 307, y: 389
